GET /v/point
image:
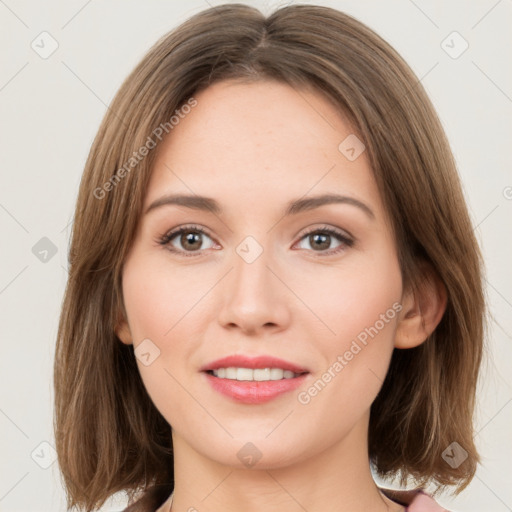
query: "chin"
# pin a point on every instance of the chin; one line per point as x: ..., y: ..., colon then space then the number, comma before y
x: 256, y: 451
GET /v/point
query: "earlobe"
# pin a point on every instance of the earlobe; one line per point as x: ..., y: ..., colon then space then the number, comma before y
x: 422, y: 311
x: 123, y: 332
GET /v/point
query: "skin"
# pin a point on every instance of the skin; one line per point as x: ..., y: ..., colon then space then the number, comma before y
x: 253, y: 148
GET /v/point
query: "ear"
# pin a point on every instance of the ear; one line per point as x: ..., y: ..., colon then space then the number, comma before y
x: 122, y: 330
x: 422, y: 310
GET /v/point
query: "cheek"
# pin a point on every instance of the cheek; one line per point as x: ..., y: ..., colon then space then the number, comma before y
x: 358, y: 310
x: 157, y: 305
x: 158, y: 299
x: 164, y: 306
x: 352, y: 298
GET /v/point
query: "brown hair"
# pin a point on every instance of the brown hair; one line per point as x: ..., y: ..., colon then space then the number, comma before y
x: 109, y: 435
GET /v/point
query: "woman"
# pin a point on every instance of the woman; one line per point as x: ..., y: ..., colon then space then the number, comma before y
x: 274, y: 285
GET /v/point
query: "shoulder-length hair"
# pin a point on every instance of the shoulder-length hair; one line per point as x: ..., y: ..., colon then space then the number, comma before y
x: 109, y: 435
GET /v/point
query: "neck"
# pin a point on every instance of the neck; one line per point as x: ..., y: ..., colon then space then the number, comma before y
x: 336, y: 479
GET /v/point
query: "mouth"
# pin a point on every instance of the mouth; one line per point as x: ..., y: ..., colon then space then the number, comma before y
x: 253, y: 375
x: 253, y: 380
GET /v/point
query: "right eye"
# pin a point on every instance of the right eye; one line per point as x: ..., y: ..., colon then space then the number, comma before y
x: 190, y: 238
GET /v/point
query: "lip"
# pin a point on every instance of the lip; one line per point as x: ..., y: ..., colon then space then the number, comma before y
x: 253, y: 392
x: 258, y: 362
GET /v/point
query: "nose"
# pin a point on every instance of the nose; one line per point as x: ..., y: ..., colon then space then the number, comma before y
x: 255, y: 299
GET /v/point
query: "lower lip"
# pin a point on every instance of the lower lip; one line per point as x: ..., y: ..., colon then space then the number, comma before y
x: 254, y: 392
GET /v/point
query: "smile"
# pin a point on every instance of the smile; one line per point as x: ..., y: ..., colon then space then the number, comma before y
x: 253, y: 379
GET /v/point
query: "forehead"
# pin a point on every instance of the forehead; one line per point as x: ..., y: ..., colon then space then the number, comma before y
x: 260, y: 141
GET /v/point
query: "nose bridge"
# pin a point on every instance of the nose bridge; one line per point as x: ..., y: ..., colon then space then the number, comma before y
x: 252, y: 284
x: 251, y: 267
x: 253, y: 295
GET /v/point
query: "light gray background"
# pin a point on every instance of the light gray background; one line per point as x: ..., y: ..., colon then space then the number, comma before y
x: 50, y: 110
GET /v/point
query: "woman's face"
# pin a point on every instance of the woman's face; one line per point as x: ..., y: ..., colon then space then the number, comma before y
x: 264, y: 280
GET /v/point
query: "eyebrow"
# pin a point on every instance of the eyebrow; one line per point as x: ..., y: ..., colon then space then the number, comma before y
x: 294, y: 207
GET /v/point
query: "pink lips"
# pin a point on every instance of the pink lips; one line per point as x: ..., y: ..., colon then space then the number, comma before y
x: 253, y: 392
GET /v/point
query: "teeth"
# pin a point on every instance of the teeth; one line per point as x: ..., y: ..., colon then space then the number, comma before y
x: 244, y: 374
x: 260, y: 374
x: 276, y: 374
x: 231, y: 373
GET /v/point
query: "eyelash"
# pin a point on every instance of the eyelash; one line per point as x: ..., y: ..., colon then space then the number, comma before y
x: 166, y: 238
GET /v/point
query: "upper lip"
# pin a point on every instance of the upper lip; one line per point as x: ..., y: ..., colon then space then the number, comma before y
x: 263, y: 361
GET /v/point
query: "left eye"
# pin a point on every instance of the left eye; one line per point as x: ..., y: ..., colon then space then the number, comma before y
x: 190, y: 238
x: 320, y: 240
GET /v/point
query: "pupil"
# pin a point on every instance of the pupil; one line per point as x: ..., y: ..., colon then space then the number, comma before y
x: 190, y: 238
x: 321, y: 238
